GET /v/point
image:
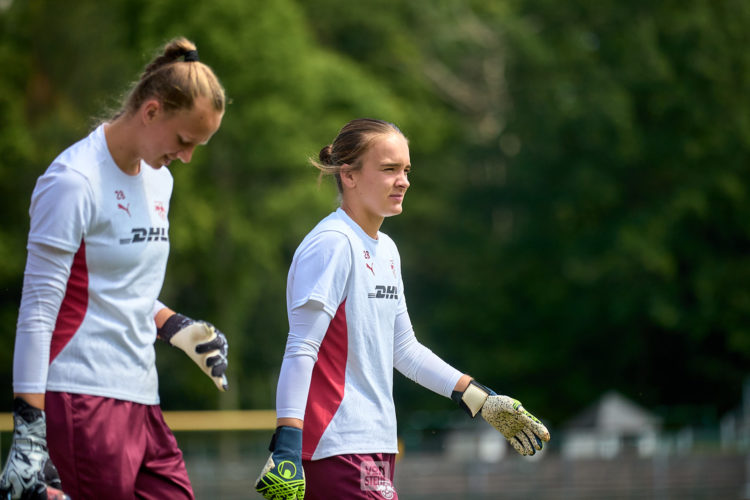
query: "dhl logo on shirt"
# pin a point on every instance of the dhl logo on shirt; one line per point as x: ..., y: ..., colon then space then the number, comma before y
x: 143, y: 234
x: 384, y: 292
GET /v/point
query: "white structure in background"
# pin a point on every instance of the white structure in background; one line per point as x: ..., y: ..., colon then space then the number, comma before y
x: 734, y: 432
x: 734, y: 427
x: 610, y: 427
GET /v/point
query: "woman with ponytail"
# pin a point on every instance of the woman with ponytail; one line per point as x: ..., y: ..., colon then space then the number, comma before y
x: 84, y: 372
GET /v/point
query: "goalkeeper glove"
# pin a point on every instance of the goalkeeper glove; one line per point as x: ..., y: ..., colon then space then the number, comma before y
x: 283, y: 478
x: 205, y: 345
x: 522, y: 429
x: 29, y: 473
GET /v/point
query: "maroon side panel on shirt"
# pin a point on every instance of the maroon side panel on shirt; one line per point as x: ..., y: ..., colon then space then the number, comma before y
x: 74, y: 304
x: 327, y: 382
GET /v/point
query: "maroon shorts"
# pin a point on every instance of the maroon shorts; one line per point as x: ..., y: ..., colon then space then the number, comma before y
x: 350, y: 477
x: 113, y: 449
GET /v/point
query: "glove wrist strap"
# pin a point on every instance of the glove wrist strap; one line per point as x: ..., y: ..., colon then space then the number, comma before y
x: 286, y: 438
x: 29, y: 425
x: 174, y: 324
x: 472, y: 398
x: 27, y: 412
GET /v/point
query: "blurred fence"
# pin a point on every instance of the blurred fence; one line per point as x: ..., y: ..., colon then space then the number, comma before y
x: 225, y: 466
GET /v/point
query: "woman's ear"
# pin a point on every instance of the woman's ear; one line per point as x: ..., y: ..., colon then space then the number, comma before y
x: 347, y: 176
x: 150, y: 110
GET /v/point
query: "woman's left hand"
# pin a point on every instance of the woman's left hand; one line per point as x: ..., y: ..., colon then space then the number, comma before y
x: 200, y: 340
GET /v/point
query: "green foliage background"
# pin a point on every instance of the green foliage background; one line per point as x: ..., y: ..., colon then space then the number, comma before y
x: 578, y: 216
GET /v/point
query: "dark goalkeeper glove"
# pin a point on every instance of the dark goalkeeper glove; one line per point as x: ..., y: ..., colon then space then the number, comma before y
x: 29, y: 473
x: 522, y: 429
x: 283, y: 478
x: 205, y: 345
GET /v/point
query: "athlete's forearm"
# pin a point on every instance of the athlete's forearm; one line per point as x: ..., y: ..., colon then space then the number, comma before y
x: 162, y: 315
x: 34, y: 399
x: 290, y: 422
x: 293, y: 387
x: 420, y: 364
x: 463, y: 383
x: 45, y: 280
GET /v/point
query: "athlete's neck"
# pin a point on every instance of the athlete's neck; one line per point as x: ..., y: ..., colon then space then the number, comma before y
x: 369, y: 223
x: 121, y: 146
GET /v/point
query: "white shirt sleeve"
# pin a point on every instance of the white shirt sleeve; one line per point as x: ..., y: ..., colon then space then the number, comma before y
x: 420, y: 364
x: 158, y: 306
x: 44, y: 284
x: 308, y: 325
x: 320, y: 271
x: 61, y: 208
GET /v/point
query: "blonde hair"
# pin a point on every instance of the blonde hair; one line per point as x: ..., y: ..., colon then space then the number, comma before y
x: 175, y: 83
x: 352, y: 141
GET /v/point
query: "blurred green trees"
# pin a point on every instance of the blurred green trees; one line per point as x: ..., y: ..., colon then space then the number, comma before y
x: 578, y: 213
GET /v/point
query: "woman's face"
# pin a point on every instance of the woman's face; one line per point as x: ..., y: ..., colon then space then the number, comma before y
x: 377, y: 189
x: 175, y: 135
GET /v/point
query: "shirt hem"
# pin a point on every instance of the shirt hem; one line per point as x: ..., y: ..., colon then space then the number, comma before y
x: 97, y: 391
x: 350, y: 451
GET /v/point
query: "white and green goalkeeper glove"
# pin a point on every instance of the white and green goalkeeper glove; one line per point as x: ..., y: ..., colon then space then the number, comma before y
x: 522, y: 429
x: 200, y: 340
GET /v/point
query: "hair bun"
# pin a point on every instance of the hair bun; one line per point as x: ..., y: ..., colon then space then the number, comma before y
x: 325, y: 155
